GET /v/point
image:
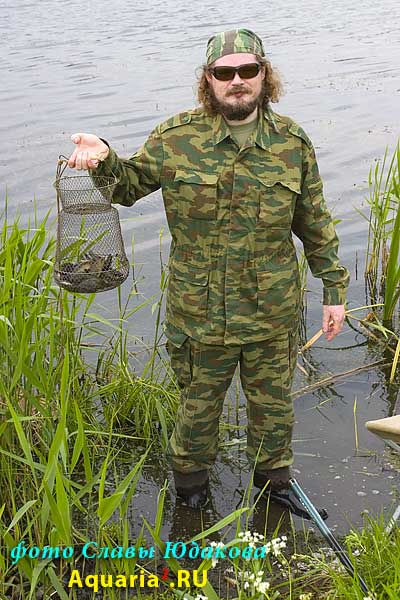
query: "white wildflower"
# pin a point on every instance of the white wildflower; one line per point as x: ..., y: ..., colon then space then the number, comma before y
x: 263, y: 587
x: 267, y: 547
x: 251, y: 538
x: 277, y: 545
x: 214, y: 559
x: 247, y: 537
x: 254, y: 583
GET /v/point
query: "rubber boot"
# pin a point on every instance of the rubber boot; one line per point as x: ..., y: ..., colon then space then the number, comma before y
x: 192, y: 488
x: 278, y: 491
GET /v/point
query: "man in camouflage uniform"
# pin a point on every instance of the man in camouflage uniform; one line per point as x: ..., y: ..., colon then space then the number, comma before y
x: 237, y: 179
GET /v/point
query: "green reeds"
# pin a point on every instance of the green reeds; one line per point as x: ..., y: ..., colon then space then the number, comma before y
x: 392, y: 275
x: 377, y: 556
x: 58, y: 472
x: 382, y: 269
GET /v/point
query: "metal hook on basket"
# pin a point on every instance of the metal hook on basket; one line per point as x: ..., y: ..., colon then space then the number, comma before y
x: 62, y: 164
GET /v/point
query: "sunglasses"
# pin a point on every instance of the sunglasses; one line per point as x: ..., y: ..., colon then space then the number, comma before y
x: 228, y: 73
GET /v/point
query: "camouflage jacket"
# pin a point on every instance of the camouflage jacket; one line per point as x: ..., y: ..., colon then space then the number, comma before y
x: 233, y: 271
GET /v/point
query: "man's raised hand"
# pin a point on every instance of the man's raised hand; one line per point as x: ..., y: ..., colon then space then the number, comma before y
x: 89, y: 151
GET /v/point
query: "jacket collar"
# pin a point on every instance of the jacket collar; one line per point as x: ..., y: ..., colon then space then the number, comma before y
x: 261, y: 135
x: 220, y: 129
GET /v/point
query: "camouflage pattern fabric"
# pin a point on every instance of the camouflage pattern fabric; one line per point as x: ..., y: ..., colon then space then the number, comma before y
x: 204, y: 373
x: 232, y: 42
x: 233, y: 272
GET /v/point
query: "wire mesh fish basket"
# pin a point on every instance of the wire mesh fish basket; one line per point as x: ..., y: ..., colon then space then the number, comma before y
x: 90, y: 254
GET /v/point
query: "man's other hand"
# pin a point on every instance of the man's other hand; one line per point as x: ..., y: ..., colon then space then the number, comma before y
x: 89, y: 151
x: 332, y: 320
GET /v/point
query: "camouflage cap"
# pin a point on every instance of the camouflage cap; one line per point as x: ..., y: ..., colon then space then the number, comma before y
x: 232, y: 42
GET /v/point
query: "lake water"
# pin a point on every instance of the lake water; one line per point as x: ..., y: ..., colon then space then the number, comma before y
x: 117, y: 69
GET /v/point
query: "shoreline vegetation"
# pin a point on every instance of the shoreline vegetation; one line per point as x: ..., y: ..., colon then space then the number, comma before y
x: 78, y: 427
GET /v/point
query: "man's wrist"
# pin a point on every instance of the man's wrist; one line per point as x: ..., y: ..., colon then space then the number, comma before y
x: 103, y: 154
x: 333, y: 297
x: 107, y: 164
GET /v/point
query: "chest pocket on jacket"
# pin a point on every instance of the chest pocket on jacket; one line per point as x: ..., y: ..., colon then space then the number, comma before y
x: 196, y: 194
x: 277, y: 201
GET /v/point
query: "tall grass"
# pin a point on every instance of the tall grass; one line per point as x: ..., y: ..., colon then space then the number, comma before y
x: 382, y: 269
x: 376, y: 554
x: 59, y: 435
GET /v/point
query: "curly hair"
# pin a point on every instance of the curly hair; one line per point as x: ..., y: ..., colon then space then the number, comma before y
x: 272, y: 87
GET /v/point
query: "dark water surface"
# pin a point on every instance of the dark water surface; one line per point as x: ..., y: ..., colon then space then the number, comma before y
x: 116, y: 69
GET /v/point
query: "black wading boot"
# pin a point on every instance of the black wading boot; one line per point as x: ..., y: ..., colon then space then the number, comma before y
x: 279, y: 491
x: 192, y: 488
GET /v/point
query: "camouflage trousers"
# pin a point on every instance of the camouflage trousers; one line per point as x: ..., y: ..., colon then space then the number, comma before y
x: 204, y: 373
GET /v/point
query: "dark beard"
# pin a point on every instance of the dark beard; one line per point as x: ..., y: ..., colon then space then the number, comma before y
x: 234, y: 113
